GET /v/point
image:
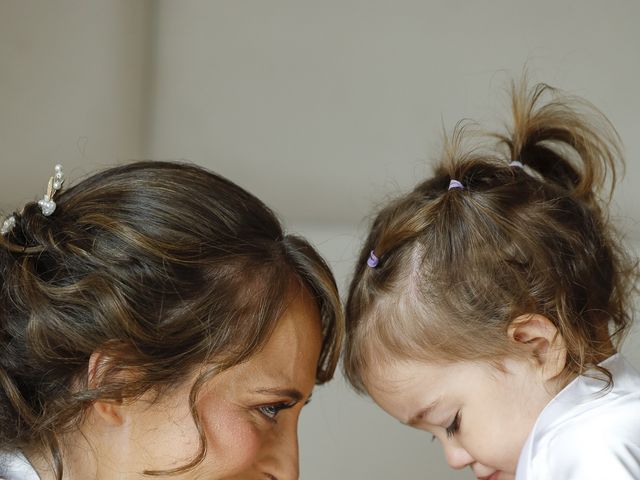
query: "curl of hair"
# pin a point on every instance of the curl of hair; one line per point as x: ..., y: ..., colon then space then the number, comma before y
x: 162, y: 267
x: 456, y: 267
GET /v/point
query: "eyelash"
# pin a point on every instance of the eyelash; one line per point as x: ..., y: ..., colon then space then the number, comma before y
x: 270, y: 412
x: 454, y: 427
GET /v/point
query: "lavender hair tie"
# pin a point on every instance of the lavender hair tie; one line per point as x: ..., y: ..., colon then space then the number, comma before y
x: 455, y: 184
x: 516, y: 163
x: 373, y: 260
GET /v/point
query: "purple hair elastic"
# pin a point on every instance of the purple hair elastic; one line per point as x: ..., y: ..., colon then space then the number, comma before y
x: 373, y: 260
x: 516, y: 163
x: 455, y: 184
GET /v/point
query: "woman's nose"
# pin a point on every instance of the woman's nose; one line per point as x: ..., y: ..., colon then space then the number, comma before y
x: 457, y: 457
x: 281, y: 458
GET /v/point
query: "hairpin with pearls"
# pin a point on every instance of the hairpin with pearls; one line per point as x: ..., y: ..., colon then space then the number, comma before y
x: 46, y: 203
x: 8, y: 225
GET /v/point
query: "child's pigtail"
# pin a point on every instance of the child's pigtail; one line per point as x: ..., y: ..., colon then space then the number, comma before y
x: 406, y: 219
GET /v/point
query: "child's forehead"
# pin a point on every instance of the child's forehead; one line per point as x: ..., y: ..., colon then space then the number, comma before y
x: 393, y: 375
x: 404, y: 375
x: 403, y: 388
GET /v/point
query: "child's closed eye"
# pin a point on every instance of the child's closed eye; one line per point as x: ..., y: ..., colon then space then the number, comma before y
x: 453, y: 428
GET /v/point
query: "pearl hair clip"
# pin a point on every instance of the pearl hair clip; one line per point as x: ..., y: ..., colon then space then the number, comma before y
x: 8, y: 225
x: 46, y: 203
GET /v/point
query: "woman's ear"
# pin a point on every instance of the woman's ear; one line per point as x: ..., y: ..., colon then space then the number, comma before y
x: 109, y: 411
x: 543, y: 342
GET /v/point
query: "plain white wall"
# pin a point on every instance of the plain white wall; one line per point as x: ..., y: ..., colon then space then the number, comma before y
x: 295, y: 99
x: 322, y: 109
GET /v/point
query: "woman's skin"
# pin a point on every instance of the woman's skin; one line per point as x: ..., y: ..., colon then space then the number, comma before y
x: 249, y: 414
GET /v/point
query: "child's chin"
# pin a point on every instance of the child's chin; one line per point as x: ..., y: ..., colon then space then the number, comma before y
x: 504, y: 476
x: 498, y: 475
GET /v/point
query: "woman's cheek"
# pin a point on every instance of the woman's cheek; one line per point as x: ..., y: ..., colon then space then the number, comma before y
x: 234, y: 440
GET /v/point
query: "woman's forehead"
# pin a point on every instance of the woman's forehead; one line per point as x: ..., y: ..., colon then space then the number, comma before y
x: 290, y: 356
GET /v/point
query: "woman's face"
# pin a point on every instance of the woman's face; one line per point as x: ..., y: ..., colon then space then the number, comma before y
x: 249, y: 413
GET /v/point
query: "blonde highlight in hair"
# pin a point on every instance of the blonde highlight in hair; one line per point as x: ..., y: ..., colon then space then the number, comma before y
x: 456, y: 267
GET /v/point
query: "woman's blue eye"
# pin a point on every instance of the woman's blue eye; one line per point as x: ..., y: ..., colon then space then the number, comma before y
x: 454, y: 427
x: 272, y: 411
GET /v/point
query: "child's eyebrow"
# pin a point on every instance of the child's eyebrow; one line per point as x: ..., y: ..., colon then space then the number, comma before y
x: 416, y: 418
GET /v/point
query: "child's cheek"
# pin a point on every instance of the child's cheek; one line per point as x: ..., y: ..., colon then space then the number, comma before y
x: 234, y: 441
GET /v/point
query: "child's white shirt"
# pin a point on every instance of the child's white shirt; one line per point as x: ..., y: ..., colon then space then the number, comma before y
x: 585, y: 434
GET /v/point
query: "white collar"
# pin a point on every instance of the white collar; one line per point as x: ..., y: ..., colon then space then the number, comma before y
x: 15, y: 466
x: 580, y: 395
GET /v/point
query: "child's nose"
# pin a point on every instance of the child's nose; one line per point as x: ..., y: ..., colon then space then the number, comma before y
x: 457, y: 457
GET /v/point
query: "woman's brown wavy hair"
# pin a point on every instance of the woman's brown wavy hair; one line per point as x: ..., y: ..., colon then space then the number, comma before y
x: 164, y: 267
x: 457, y: 266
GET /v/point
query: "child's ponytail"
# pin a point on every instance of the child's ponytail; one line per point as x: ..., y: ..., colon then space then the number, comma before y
x: 567, y: 140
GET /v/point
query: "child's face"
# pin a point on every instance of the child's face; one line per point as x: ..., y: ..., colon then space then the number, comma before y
x: 481, y: 415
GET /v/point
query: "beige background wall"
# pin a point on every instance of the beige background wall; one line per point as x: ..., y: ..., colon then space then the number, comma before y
x: 322, y: 108
x: 74, y: 84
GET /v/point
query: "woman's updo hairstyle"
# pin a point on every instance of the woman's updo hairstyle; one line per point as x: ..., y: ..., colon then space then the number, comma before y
x: 516, y: 227
x: 164, y: 268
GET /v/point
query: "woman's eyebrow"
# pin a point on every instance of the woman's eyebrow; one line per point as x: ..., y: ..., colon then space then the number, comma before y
x: 283, y: 392
x: 416, y: 418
